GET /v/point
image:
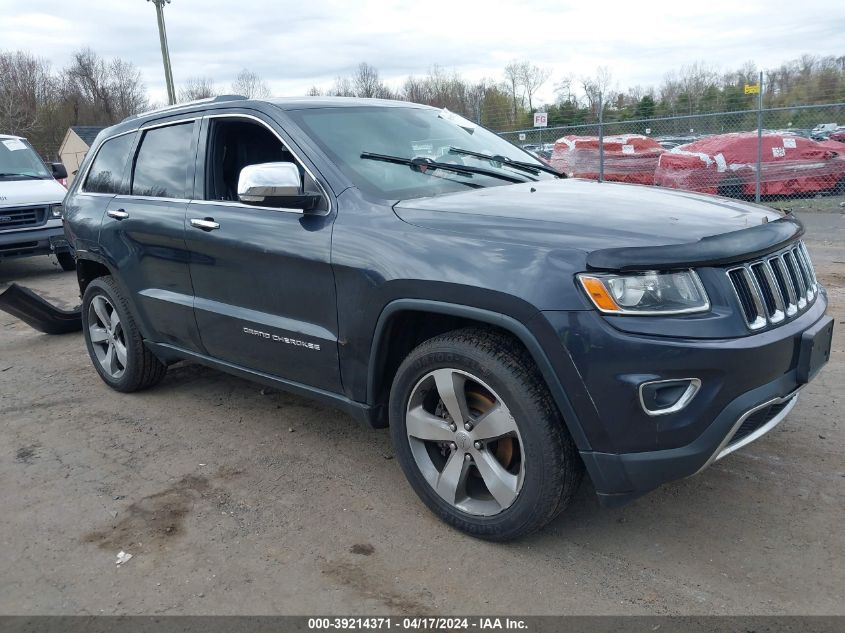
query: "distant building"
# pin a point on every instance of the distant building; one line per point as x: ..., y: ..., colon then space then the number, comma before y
x: 75, y: 145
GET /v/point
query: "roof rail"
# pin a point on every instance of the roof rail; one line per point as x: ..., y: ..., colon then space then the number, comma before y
x: 187, y: 104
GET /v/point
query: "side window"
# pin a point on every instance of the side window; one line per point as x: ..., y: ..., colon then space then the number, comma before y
x: 235, y: 143
x: 106, y: 173
x: 163, y: 162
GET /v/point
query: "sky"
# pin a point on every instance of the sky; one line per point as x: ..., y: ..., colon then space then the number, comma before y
x: 296, y: 45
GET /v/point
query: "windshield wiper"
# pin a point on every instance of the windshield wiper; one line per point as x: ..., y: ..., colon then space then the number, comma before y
x: 516, y: 164
x: 7, y: 174
x: 422, y: 165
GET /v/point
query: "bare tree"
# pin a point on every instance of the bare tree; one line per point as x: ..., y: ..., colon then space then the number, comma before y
x: 26, y: 86
x: 513, y: 81
x: 532, y: 78
x: 597, y: 88
x: 197, y: 88
x: 102, y: 92
x: 127, y: 89
x: 366, y: 82
x: 88, y: 77
x: 250, y: 85
x: 314, y: 91
x: 342, y: 87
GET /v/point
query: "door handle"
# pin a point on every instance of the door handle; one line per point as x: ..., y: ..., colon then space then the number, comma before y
x: 117, y: 214
x: 206, y: 224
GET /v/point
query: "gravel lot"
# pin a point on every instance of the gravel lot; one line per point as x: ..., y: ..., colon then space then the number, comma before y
x: 234, y: 500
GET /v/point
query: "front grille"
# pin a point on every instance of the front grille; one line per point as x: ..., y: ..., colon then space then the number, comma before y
x: 775, y: 288
x: 22, y: 217
x: 757, y: 420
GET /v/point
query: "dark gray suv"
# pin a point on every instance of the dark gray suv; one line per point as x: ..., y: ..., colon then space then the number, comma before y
x: 513, y: 328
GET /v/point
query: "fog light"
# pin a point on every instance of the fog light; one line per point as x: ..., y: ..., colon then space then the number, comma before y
x: 660, y: 397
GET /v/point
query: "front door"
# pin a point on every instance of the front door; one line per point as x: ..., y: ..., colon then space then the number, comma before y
x: 262, y: 278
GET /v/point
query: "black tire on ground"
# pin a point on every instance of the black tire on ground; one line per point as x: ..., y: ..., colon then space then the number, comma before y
x: 731, y: 188
x: 66, y: 260
x: 142, y: 368
x: 552, y: 467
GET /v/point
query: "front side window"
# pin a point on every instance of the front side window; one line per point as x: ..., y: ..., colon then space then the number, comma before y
x: 106, y: 173
x: 18, y: 161
x: 163, y: 162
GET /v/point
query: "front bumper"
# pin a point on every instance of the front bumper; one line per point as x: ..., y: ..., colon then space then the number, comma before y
x: 39, y: 241
x: 748, y: 385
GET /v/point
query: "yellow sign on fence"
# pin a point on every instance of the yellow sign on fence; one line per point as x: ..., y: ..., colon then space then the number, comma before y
x: 752, y: 89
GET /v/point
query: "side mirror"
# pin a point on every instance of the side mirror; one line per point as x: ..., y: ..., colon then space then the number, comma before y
x: 275, y: 185
x: 59, y: 170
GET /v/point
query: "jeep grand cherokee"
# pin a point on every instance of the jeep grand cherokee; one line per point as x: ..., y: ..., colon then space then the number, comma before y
x: 513, y: 328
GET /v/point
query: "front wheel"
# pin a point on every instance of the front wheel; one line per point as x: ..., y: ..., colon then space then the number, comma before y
x: 479, y: 437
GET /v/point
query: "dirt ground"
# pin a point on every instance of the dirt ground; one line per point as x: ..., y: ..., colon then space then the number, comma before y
x: 234, y: 500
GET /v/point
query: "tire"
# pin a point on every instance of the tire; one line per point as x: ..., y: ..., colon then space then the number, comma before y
x: 539, y: 468
x: 135, y: 368
x: 731, y: 188
x: 66, y: 260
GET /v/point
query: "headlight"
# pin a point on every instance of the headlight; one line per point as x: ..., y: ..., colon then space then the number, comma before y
x: 646, y: 293
x: 56, y: 210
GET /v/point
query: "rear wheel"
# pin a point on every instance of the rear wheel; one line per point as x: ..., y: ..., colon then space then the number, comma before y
x: 478, y: 436
x: 66, y: 260
x: 731, y: 188
x: 114, y: 341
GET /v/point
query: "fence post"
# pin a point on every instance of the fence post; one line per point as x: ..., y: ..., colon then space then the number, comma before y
x: 601, y: 139
x: 759, y: 139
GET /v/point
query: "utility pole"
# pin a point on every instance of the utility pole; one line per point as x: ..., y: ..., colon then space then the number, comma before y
x: 165, y: 52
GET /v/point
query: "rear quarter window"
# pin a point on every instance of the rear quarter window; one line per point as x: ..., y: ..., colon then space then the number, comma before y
x: 106, y: 173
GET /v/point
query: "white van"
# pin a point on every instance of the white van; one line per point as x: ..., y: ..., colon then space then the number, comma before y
x: 31, y: 204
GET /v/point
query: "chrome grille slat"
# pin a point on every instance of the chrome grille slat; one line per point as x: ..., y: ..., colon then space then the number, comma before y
x: 774, y: 288
x: 797, y: 280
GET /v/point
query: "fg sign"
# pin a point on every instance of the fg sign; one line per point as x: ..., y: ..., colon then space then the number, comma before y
x: 541, y: 119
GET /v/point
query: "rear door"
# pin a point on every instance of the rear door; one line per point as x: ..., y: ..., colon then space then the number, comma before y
x: 263, y: 283
x: 143, y: 232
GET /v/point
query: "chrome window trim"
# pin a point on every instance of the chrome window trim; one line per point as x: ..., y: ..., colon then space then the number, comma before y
x: 222, y: 115
x: 153, y: 126
x: 233, y: 203
x: 686, y: 397
x: 130, y: 196
x: 84, y: 176
x: 243, y: 205
x: 725, y: 448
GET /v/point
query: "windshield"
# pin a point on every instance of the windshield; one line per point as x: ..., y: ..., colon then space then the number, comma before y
x: 19, y: 161
x: 345, y: 133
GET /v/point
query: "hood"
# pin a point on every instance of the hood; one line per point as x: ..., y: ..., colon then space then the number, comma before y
x: 584, y: 214
x: 14, y: 193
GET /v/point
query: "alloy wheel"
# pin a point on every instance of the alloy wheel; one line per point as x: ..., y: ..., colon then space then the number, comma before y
x: 465, y: 442
x: 107, y: 336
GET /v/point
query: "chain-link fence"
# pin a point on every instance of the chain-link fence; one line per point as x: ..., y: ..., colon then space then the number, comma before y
x: 769, y: 155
